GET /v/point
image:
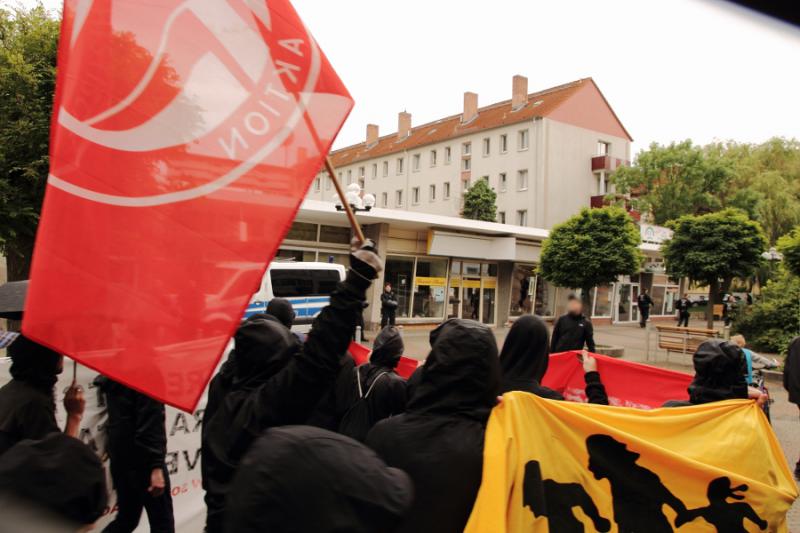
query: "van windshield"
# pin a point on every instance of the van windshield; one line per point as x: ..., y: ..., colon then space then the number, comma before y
x: 288, y: 283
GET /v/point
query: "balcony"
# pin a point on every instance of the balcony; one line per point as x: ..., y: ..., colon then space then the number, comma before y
x: 606, y: 163
x: 602, y: 200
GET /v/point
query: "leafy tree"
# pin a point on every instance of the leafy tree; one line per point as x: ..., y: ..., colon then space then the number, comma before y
x: 592, y: 248
x: 772, y: 322
x: 480, y: 202
x: 712, y: 248
x: 28, y: 42
x: 789, y: 246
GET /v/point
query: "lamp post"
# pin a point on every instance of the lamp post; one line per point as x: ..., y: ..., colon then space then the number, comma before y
x: 356, y: 199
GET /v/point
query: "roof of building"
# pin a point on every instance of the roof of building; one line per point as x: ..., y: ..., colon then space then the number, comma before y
x: 539, y: 104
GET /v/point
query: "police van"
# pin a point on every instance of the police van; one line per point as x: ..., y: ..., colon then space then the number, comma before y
x: 307, y: 285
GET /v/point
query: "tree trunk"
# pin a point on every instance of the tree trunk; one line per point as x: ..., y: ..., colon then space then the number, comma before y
x: 18, y: 260
x: 587, y: 301
x: 713, y: 290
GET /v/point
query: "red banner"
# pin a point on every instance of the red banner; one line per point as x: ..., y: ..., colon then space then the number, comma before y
x: 627, y: 384
x: 360, y: 354
x: 185, y: 134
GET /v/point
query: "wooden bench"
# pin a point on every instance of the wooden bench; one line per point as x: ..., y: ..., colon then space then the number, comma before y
x: 683, y: 340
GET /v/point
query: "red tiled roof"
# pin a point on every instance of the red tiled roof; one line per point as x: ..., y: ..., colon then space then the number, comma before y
x: 539, y: 104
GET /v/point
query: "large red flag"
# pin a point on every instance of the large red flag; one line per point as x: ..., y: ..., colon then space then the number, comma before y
x: 185, y: 135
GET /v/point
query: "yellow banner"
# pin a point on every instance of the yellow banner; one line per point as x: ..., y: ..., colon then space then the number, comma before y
x: 489, y: 283
x: 455, y: 281
x: 431, y: 282
x: 552, y: 466
x: 472, y: 283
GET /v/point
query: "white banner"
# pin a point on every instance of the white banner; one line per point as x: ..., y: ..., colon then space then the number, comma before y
x: 183, y: 449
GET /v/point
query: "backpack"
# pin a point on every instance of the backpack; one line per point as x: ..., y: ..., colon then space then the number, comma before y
x: 357, y: 421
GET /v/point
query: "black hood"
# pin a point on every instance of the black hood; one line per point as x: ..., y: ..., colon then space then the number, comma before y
x: 58, y: 473
x: 526, y: 352
x: 462, y: 373
x: 263, y: 347
x: 34, y: 364
x: 387, y: 348
x: 301, y: 478
x: 281, y: 309
x: 719, y: 368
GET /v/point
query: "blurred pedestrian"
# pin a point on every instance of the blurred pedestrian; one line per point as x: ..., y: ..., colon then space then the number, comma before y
x: 644, y: 302
x: 573, y: 331
x: 791, y: 381
x: 388, y: 306
x: 729, y: 310
x: 682, y: 307
x: 282, y: 309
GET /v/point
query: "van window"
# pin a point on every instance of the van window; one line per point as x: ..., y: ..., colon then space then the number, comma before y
x: 288, y: 283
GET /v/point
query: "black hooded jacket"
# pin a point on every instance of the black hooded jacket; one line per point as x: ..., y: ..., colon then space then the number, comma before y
x: 525, y: 357
x: 438, y: 441
x: 297, y: 479
x: 27, y: 404
x: 137, y: 438
x: 791, y: 372
x: 388, y: 396
x: 719, y: 374
x: 572, y: 332
x: 274, y: 381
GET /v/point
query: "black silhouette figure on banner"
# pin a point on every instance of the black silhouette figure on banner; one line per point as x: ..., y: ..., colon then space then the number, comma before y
x: 555, y: 500
x: 638, y: 492
x: 726, y: 517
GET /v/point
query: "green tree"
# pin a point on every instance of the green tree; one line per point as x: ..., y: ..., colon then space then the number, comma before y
x: 592, y: 248
x: 789, y: 246
x: 714, y: 248
x: 28, y: 43
x: 774, y: 320
x: 480, y: 202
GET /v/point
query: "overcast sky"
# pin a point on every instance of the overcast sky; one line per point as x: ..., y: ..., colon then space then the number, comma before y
x: 671, y: 69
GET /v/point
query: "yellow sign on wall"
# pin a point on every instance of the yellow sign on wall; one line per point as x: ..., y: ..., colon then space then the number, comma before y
x: 431, y: 282
x: 489, y: 283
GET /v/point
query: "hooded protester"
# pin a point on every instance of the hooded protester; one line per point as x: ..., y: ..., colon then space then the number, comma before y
x: 282, y: 309
x: 374, y: 389
x: 59, y: 477
x: 525, y: 357
x: 438, y: 441
x: 573, y: 330
x: 27, y: 402
x: 276, y: 380
x: 791, y: 381
x: 137, y: 446
x: 299, y: 478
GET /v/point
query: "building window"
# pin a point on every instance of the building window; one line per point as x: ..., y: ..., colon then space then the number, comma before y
x: 398, y: 198
x: 432, y: 193
x: 334, y: 234
x: 317, y: 184
x: 361, y: 172
x: 466, y: 148
x: 399, y: 166
x: 447, y: 155
x: 433, y: 158
x: 466, y: 164
x: 522, y: 217
x: 399, y: 272
x: 429, y: 288
x: 385, y: 168
x: 340, y: 176
x: 384, y: 199
x: 465, y: 184
x: 603, y: 148
x: 485, y: 179
x: 362, y: 183
x: 501, y: 217
x: 302, y: 231
x: 502, y: 182
x: 328, y: 183
x: 374, y: 170
x: 446, y: 192
x: 503, y: 143
x: 522, y: 180
x: 349, y: 177
x: 415, y: 195
x: 522, y: 140
x: 487, y: 146
x: 415, y: 162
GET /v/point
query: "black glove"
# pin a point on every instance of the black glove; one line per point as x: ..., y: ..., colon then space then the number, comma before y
x: 365, y: 264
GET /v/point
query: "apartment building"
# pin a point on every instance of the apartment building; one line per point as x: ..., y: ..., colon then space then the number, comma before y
x: 546, y: 154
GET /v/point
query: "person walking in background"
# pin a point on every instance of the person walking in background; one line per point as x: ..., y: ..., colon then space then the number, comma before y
x: 682, y: 307
x: 573, y: 331
x: 388, y: 306
x: 791, y: 382
x: 729, y: 310
x: 644, y: 302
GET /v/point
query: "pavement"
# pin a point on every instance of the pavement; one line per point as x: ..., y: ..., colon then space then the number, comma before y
x: 635, y: 340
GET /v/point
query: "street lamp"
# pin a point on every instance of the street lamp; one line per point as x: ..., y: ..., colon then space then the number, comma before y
x: 357, y: 200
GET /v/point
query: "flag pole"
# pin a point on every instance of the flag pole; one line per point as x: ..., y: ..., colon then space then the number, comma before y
x: 347, y: 209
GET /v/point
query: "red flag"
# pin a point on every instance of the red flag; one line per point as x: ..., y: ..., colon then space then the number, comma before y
x: 185, y: 135
x: 627, y: 383
x: 360, y: 354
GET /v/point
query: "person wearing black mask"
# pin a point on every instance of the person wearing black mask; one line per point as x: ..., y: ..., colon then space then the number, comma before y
x: 276, y: 380
x: 282, y: 309
x: 376, y: 384
x: 438, y: 441
x: 137, y: 446
x: 573, y: 330
x: 27, y: 402
x: 644, y: 302
x: 301, y: 478
x: 525, y: 357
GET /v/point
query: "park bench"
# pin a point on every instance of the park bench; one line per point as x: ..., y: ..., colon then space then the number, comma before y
x: 683, y: 340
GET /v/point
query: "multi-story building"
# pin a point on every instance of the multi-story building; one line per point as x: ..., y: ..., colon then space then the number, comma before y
x: 546, y: 154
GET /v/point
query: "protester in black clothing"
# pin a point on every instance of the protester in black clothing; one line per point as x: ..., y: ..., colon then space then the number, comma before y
x: 388, y: 306
x: 474, y: 304
x: 644, y: 302
x: 278, y: 381
x: 300, y: 478
x: 137, y: 446
x: 375, y: 390
x: 282, y: 309
x: 336, y: 399
x: 791, y: 381
x: 573, y: 331
x: 438, y: 441
x: 52, y: 484
x: 524, y: 360
x: 27, y: 402
x: 682, y: 307
x: 729, y: 310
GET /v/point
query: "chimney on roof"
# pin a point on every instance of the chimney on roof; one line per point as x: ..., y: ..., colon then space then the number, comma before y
x: 470, y: 107
x: 403, y: 124
x: 519, y: 91
x: 372, y: 134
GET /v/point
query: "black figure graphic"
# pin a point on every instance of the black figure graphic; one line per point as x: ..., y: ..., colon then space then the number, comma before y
x: 638, y: 493
x: 726, y: 517
x: 554, y: 500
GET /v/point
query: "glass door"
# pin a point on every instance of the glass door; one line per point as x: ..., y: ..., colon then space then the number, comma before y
x: 634, y: 300
x: 624, y: 302
x: 488, y: 308
x: 454, y: 297
x: 471, y: 301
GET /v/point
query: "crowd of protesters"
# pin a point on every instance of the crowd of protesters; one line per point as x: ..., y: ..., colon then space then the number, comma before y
x: 296, y: 437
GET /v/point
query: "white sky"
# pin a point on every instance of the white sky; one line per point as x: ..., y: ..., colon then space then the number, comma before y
x: 671, y: 69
